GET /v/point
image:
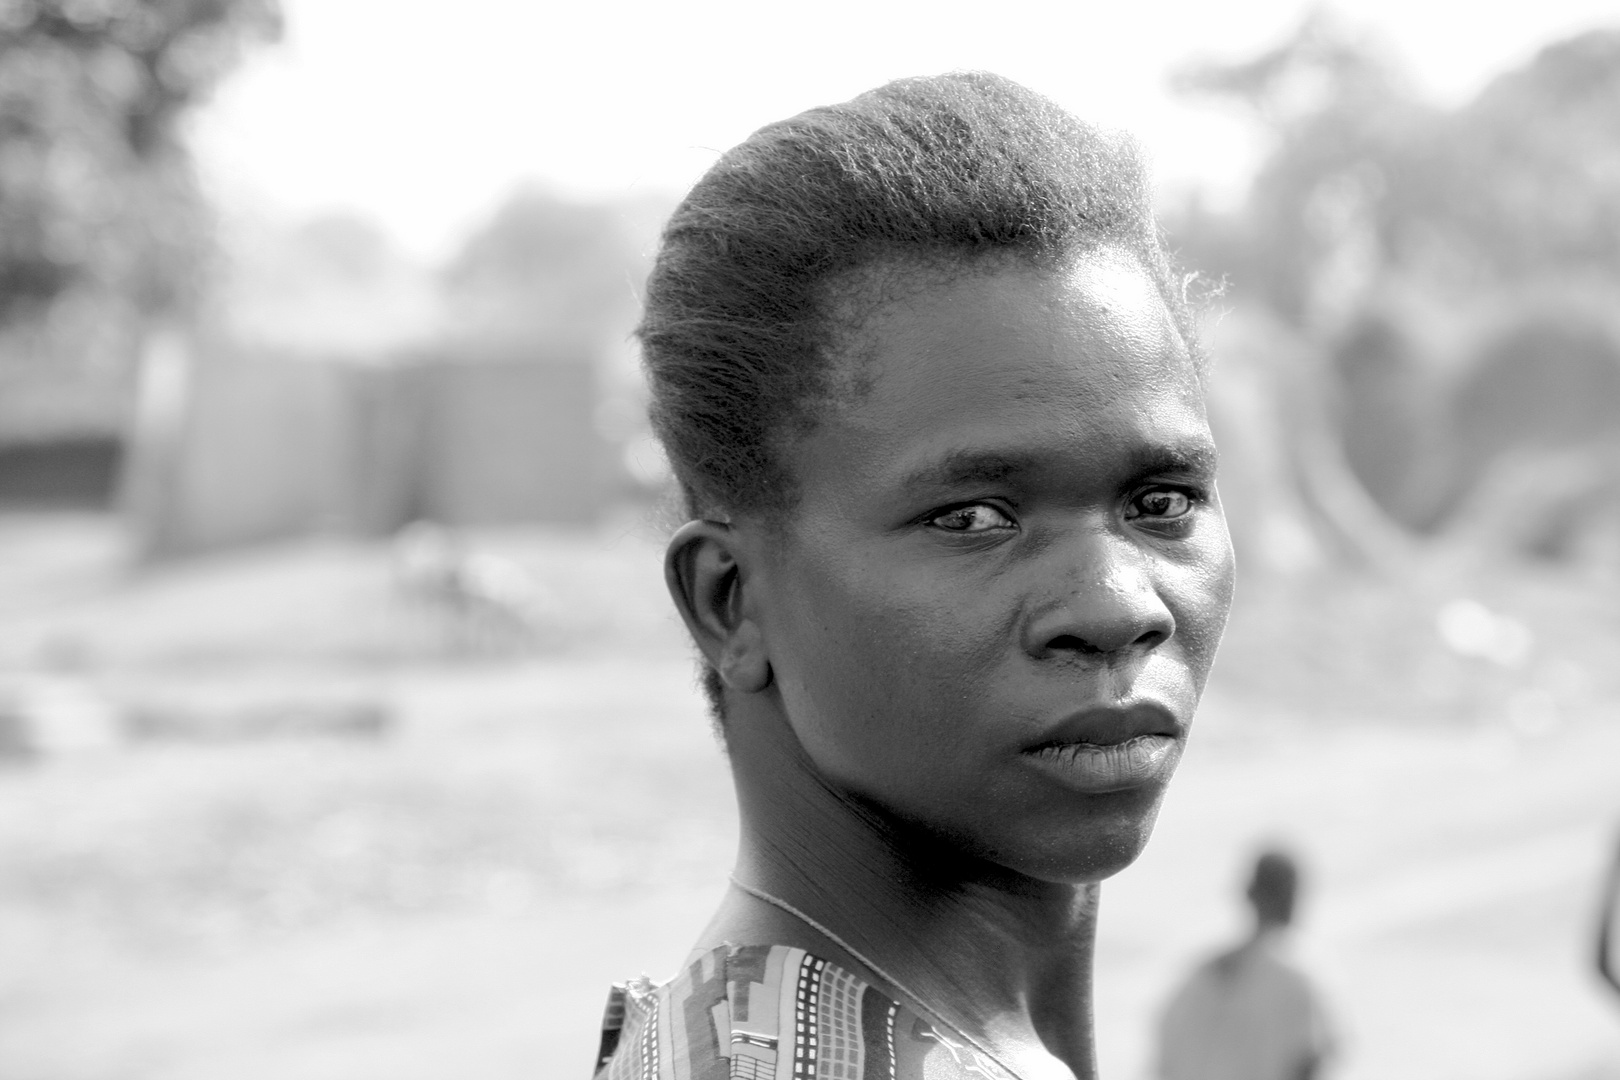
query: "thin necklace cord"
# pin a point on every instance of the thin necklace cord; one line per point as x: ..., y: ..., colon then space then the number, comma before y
x: 778, y: 902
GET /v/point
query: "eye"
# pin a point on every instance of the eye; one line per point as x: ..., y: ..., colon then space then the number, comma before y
x: 972, y: 518
x: 1161, y: 503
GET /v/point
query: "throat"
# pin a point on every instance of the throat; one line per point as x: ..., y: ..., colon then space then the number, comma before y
x: 1050, y: 1037
x: 1001, y: 958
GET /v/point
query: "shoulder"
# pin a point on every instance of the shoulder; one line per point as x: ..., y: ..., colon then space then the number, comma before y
x: 773, y: 1011
x: 1286, y: 976
x: 1260, y: 976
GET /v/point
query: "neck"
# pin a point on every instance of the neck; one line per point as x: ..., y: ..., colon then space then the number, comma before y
x: 1004, y: 958
x: 1269, y: 931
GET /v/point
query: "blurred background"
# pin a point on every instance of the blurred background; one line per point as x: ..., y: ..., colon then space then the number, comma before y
x: 344, y: 728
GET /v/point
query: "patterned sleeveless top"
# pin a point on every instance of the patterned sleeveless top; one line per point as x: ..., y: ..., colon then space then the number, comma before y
x: 769, y: 1012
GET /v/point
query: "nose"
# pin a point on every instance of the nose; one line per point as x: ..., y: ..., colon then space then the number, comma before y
x: 1106, y: 606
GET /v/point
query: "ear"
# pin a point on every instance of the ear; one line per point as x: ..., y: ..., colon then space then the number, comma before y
x: 708, y: 579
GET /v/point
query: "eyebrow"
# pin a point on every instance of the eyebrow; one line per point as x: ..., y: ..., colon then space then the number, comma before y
x: 969, y: 467
x: 981, y: 466
x: 1198, y: 457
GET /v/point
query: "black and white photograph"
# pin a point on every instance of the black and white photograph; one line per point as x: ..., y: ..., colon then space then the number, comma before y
x: 855, y: 541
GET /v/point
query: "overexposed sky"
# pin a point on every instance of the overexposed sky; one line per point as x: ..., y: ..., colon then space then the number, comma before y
x: 423, y: 115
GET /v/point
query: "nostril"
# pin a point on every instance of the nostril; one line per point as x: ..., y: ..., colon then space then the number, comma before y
x: 1071, y: 643
x: 1110, y: 615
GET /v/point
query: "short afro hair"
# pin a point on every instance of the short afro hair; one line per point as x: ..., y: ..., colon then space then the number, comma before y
x: 738, y: 334
x: 749, y: 291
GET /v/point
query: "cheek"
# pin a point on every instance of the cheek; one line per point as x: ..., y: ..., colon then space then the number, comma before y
x: 1199, y: 594
x: 880, y: 665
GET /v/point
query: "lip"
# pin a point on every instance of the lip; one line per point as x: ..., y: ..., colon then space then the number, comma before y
x: 1105, y: 749
x: 1108, y: 725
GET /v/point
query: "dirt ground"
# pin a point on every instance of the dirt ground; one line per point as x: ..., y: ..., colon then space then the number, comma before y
x: 241, y: 882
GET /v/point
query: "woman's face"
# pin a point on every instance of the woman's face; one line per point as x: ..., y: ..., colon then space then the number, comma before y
x: 993, y: 610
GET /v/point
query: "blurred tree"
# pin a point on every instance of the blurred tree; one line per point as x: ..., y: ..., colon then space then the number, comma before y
x: 1379, y: 226
x: 1526, y: 179
x: 1381, y: 408
x: 334, y: 284
x: 545, y: 271
x: 1305, y: 248
x: 99, y: 215
x: 1365, y: 182
x: 555, y: 281
x: 1340, y: 114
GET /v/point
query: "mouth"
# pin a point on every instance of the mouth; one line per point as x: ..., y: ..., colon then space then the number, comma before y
x: 1110, y: 749
x: 1109, y: 726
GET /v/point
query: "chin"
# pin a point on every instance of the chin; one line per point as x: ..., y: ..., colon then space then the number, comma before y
x: 1092, y: 851
x: 1083, y: 868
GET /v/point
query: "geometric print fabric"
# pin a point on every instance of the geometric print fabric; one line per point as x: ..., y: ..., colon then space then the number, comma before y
x: 770, y: 1012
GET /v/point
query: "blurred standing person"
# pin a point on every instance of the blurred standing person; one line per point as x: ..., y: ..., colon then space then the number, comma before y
x: 1608, y: 917
x: 1249, y: 1013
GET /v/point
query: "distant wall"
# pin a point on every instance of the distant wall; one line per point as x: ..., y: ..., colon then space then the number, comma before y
x: 235, y: 448
x: 62, y: 418
x: 77, y: 472
x: 510, y: 441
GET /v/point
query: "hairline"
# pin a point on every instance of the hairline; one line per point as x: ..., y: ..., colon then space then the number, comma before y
x: 851, y: 299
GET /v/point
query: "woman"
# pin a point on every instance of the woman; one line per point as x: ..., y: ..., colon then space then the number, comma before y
x: 955, y: 568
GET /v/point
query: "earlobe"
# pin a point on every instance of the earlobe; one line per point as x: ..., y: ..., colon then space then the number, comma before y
x: 709, y: 582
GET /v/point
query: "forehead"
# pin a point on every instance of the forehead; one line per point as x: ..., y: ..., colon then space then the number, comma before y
x: 1084, y: 365
x: 1099, y: 322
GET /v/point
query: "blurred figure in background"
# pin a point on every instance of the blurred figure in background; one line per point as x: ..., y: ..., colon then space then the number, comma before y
x: 1608, y: 916
x: 1249, y: 1013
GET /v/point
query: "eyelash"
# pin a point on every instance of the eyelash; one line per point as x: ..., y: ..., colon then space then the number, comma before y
x: 934, y: 517
x: 1195, y: 497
